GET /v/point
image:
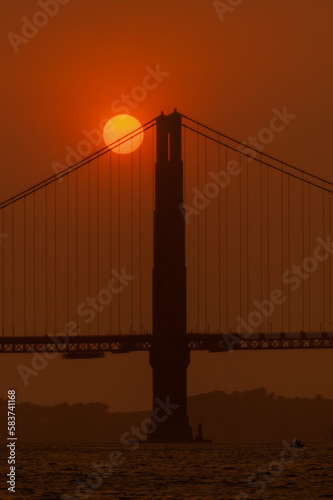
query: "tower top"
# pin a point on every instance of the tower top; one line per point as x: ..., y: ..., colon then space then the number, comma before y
x: 174, y: 112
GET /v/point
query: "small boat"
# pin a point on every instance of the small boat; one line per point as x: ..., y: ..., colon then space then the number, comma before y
x: 297, y: 444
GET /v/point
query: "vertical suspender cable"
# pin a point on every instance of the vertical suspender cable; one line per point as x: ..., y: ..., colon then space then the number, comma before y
x: 77, y: 245
x: 3, y: 274
x: 140, y: 242
x: 89, y: 234
x: 289, y: 301
x: 34, y: 258
x: 330, y: 268
x: 184, y: 164
x: 282, y: 243
x: 219, y: 169
x: 68, y: 197
x: 46, y: 263
x: 303, y: 252
x: 226, y: 246
x: 240, y: 235
x: 198, y: 227
x: 24, y: 268
x: 13, y: 272
x: 268, y: 241
x: 119, y: 246
x: 55, y: 257
x: 247, y: 239
x: 153, y: 176
x: 153, y: 158
x: 98, y: 252
x: 206, y: 247
x: 261, y: 234
x: 110, y: 229
x: 132, y: 242
x: 184, y: 176
x: 324, y: 282
x: 309, y: 224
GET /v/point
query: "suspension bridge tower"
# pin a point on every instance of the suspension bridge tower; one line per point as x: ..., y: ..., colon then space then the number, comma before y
x: 169, y: 356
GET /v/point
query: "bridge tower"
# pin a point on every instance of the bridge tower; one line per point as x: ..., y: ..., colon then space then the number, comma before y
x: 169, y: 356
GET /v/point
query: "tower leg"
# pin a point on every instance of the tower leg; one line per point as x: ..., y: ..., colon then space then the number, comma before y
x: 169, y: 356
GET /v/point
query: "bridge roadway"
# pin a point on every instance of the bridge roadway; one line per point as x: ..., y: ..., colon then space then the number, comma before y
x: 94, y: 346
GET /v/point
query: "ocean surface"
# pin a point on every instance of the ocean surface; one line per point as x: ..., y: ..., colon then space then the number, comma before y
x: 192, y: 471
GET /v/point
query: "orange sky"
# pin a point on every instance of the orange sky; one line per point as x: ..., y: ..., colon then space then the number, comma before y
x: 229, y: 75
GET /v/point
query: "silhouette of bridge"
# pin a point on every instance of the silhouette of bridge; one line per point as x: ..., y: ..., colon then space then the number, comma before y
x: 238, y: 242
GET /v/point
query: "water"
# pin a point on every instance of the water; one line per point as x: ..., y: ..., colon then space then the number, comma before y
x: 206, y: 471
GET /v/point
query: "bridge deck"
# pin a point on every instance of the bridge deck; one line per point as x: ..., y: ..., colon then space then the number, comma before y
x: 125, y: 343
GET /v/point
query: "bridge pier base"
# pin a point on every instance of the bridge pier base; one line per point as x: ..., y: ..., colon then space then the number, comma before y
x: 169, y: 362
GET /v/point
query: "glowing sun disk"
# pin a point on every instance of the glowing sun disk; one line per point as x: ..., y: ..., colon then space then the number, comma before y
x: 119, y: 126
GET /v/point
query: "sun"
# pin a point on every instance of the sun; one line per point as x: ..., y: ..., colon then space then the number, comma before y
x: 119, y: 126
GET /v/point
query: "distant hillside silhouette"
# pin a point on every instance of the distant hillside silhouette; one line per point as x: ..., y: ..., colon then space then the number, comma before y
x: 255, y: 416
x: 249, y: 416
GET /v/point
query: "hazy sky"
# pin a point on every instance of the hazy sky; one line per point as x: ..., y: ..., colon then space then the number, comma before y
x: 228, y: 73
